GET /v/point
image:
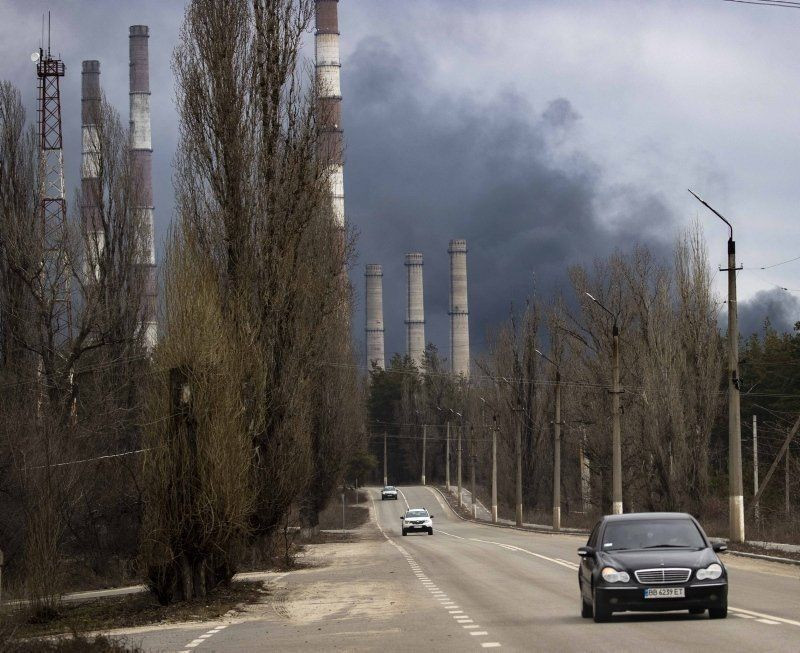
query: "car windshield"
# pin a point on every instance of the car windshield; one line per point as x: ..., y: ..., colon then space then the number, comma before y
x: 389, y: 487
x: 652, y: 534
x: 417, y: 513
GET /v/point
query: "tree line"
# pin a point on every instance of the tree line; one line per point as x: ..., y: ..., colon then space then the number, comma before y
x: 174, y: 464
x: 673, y: 416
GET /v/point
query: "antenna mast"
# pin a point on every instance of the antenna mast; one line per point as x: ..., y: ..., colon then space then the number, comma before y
x: 52, y: 213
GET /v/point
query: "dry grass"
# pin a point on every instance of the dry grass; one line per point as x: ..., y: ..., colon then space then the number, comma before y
x: 125, y: 612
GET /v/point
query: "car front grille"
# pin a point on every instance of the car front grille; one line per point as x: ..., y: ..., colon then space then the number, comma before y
x: 669, y: 575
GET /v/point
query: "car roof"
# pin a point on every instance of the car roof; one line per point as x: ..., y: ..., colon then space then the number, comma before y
x: 636, y: 516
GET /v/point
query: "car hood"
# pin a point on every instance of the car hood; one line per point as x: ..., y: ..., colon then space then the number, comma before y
x: 655, y: 558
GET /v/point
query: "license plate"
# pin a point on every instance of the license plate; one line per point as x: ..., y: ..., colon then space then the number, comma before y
x: 665, y: 593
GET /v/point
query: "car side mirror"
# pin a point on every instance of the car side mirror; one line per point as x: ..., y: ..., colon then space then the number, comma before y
x: 431, y: 516
x: 585, y: 552
x: 719, y: 547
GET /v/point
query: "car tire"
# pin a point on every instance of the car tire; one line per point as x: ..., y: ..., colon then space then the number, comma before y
x: 404, y: 532
x: 718, y: 613
x: 586, y: 609
x: 430, y: 531
x: 601, y: 611
x: 696, y: 610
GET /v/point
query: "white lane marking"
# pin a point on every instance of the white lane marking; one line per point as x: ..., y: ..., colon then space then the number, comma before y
x: 744, y: 616
x: 491, y: 645
x: 479, y: 633
x: 790, y: 622
x: 568, y: 565
x: 767, y: 621
x: 458, y: 537
x: 404, y: 499
x: 463, y: 620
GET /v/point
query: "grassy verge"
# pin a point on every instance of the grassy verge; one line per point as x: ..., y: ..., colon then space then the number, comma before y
x: 125, y: 612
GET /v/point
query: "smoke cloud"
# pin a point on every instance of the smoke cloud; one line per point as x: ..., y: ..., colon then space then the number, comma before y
x: 424, y: 166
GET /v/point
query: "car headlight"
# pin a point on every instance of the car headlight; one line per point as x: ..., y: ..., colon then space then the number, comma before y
x: 712, y: 572
x: 611, y: 575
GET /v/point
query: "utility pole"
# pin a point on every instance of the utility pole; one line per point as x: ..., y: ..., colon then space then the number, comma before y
x: 787, y: 501
x: 458, y: 471
x: 472, y: 471
x: 447, y: 459
x: 518, y: 451
x: 616, y: 436
x: 424, y: 441
x: 735, y: 488
x: 385, y: 467
x: 556, y: 447
x: 494, y: 471
x: 755, y: 468
x: 586, y: 480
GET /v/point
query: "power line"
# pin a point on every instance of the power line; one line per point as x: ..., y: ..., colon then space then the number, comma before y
x: 787, y: 4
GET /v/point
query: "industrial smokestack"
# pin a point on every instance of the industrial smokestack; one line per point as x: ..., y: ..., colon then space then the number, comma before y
x: 415, y: 309
x: 459, y: 309
x: 142, y: 150
x: 90, y: 167
x: 374, y: 326
x: 328, y: 67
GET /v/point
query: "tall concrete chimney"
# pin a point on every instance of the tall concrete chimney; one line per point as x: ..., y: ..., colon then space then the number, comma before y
x: 90, y: 167
x: 142, y: 150
x: 459, y: 309
x: 327, y: 68
x: 415, y: 309
x: 374, y: 307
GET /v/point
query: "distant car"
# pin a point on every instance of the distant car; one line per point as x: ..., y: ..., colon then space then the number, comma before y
x: 651, y: 562
x: 389, y: 492
x: 417, y: 519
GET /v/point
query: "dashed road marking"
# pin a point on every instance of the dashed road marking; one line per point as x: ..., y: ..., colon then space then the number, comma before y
x: 458, y: 615
x: 201, y: 639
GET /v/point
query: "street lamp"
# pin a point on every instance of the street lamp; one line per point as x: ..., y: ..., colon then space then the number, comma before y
x: 556, y: 447
x: 735, y: 488
x: 616, y: 446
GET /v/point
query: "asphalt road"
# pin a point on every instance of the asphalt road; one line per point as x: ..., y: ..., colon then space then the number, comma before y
x: 472, y: 587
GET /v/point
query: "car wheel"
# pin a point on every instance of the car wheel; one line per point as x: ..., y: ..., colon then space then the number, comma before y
x: 696, y: 610
x: 720, y: 612
x: 430, y: 531
x: 601, y: 611
x: 586, y: 608
x: 404, y: 532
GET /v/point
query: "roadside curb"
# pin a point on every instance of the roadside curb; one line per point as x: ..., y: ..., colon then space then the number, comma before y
x: 761, y: 556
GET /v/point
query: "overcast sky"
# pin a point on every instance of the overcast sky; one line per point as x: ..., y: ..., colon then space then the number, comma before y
x: 545, y: 133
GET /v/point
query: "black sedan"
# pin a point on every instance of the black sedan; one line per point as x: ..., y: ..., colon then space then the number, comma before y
x: 651, y: 561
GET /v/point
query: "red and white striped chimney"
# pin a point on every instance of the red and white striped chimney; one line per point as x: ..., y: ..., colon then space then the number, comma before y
x: 328, y: 67
x: 142, y: 150
x: 90, y: 167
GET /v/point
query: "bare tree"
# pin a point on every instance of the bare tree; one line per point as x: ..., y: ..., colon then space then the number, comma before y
x: 59, y: 358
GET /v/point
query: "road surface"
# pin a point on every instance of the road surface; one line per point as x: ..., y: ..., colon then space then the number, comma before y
x: 472, y: 587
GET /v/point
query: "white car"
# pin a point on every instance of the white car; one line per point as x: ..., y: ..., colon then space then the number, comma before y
x: 389, y: 492
x: 417, y: 519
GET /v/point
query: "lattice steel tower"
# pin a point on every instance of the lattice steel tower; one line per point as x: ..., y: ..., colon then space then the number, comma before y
x: 52, y: 214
